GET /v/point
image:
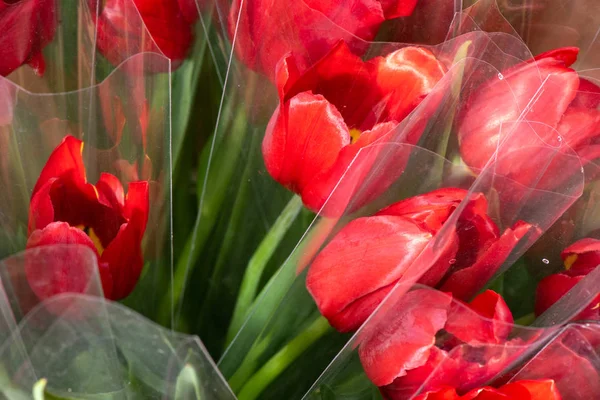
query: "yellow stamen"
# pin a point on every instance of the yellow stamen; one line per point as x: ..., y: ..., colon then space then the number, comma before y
x: 569, y: 261
x: 354, y: 135
x: 92, y: 235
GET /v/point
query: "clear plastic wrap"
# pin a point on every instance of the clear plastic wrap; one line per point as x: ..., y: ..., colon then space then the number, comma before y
x: 521, y: 205
x: 84, y: 346
x: 121, y: 129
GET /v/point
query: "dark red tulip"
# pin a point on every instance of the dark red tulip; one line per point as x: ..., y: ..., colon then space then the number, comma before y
x: 404, y: 350
x: 363, y: 262
x: 521, y: 390
x: 580, y: 258
x: 336, y: 108
x: 66, y: 209
x: 121, y: 34
x: 267, y: 30
x: 559, y: 112
x: 26, y: 27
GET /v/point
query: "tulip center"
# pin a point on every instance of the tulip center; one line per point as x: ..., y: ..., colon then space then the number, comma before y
x: 92, y: 235
x: 569, y: 261
x: 354, y: 135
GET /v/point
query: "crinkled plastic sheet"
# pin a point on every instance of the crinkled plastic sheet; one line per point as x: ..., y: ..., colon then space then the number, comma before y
x: 546, y: 24
x: 233, y: 179
x: 394, y: 169
x: 550, y: 349
x: 85, y: 346
x: 124, y: 125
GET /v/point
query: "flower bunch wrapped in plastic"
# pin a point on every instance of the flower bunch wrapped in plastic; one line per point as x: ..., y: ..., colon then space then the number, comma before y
x: 356, y: 199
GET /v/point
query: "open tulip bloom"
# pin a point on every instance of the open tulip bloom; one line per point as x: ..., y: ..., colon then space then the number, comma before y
x: 283, y: 187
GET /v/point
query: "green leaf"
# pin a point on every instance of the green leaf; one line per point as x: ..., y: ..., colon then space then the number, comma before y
x: 187, y: 386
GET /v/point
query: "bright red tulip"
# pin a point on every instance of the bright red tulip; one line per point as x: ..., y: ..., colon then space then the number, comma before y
x: 521, y: 390
x: 580, y: 259
x: 265, y: 30
x: 339, y: 106
x: 121, y: 34
x: 66, y: 209
x: 363, y: 262
x: 26, y: 27
x: 405, y: 349
x: 559, y: 109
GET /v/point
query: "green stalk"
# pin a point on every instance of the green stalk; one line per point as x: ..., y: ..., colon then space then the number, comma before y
x: 233, y: 227
x: 210, y: 201
x: 258, y: 262
x: 525, y: 320
x: 280, y: 361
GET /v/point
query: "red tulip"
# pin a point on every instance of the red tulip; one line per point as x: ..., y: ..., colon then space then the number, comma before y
x: 364, y: 261
x: 336, y: 108
x: 571, y: 362
x: 66, y: 209
x: 521, y: 390
x: 266, y: 30
x: 580, y: 259
x: 26, y: 27
x: 406, y: 348
x: 552, y: 88
x: 169, y: 22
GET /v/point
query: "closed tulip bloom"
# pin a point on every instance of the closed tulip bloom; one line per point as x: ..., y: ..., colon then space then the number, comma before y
x: 66, y: 209
x: 169, y: 22
x: 26, y: 27
x: 362, y: 263
x: 342, y: 104
x: 267, y: 30
x: 563, y: 108
x: 580, y: 258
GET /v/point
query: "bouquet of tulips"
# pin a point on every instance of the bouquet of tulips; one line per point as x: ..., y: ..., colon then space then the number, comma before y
x: 335, y: 199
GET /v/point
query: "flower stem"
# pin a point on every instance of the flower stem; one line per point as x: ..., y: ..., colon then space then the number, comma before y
x: 258, y: 262
x: 280, y: 361
x: 525, y: 320
x: 212, y: 190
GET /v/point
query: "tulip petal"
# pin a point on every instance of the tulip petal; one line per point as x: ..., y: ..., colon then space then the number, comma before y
x: 395, y: 8
x: 137, y: 205
x: 303, y: 140
x: 551, y: 289
x: 41, y: 210
x: 368, y: 254
x: 111, y: 191
x: 566, y: 55
x: 405, y: 342
x: 65, y: 159
x: 263, y: 38
x: 464, y: 283
x: 431, y: 210
x: 582, y: 257
x: 486, y: 320
x: 123, y: 256
x: 405, y: 77
x: 532, y: 390
x: 27, y: 26
x: 58, y: 276
x: 588, y: 95
x: 352, y: 175
x: 345, y: 81
x: 575, y: 376
x: 491, y: 111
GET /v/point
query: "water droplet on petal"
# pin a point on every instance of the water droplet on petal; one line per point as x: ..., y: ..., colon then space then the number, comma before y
x: 545, y: 261
x: 500, y: 76
x: 452, y: 261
